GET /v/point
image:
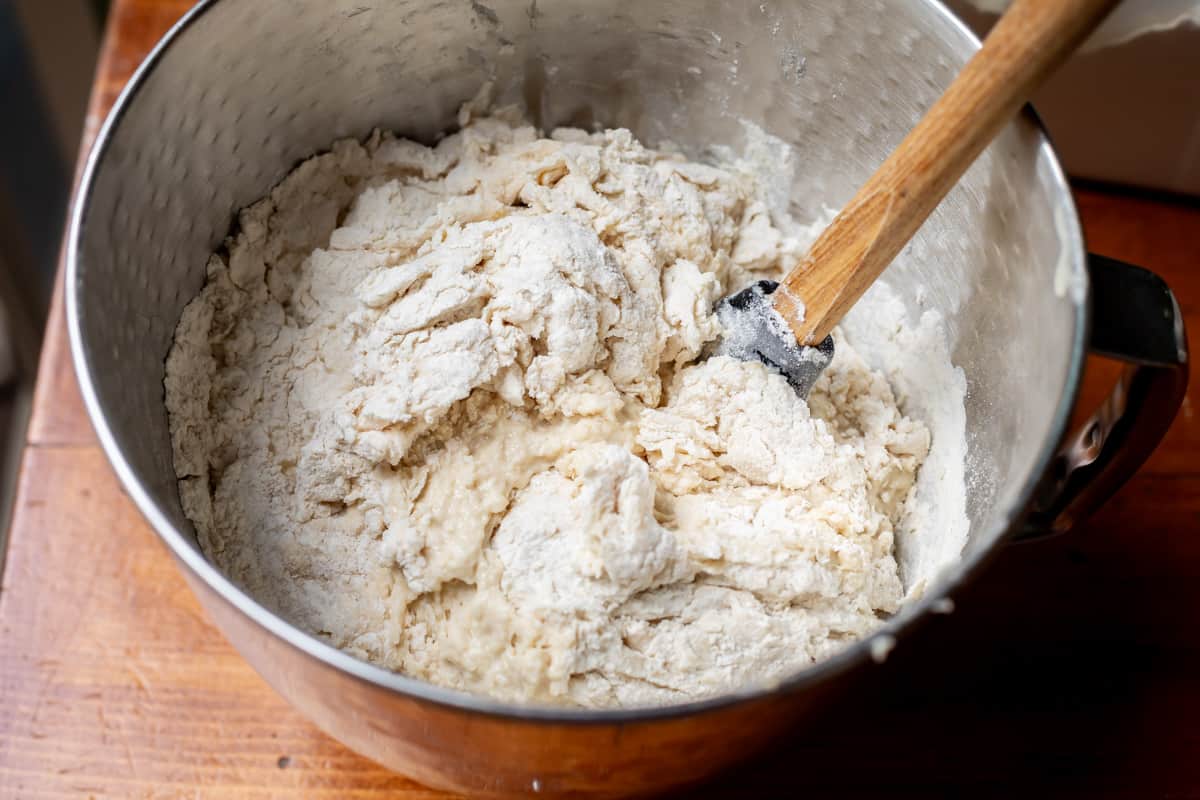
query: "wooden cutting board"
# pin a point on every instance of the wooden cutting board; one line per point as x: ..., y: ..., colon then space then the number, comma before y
x: 1070, y: 668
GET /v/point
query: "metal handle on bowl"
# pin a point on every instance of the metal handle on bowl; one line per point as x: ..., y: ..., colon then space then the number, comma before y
x: 1135, y: 319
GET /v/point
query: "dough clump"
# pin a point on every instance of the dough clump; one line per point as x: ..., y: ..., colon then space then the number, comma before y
x: 441, y: 407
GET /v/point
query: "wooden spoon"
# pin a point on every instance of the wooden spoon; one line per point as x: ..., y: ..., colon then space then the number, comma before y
x: 1028, y: 42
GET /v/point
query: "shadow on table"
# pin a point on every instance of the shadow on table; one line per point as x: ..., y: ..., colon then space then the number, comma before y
x: 1065, y: 671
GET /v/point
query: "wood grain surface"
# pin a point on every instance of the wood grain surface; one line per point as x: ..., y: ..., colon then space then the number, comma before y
x: 1070, y: 668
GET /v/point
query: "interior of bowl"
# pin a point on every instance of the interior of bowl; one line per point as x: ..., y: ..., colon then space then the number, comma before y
x: 244, y: 90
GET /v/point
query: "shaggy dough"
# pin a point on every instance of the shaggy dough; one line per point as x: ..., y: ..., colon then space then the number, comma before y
x: 440, y: 407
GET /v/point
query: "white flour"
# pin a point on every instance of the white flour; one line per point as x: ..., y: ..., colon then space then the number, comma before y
x: 439, y: 408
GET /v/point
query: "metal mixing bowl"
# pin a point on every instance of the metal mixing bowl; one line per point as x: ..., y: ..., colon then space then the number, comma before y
x: 241, y: 90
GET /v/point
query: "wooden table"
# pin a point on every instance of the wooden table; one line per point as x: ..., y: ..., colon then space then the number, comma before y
x: 1071, y: 668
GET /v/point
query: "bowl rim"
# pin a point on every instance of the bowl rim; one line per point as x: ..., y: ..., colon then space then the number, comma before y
x: 188, y: 554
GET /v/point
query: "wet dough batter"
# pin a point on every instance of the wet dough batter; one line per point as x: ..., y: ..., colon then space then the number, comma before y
x: 440, y: 407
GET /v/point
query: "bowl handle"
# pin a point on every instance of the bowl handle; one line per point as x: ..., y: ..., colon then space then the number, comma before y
x: 1135, y: 319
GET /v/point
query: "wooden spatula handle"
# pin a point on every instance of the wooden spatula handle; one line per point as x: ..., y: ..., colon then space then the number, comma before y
x: 1027, y: 43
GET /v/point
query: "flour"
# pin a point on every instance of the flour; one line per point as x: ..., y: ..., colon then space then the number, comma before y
x: 441, y: 407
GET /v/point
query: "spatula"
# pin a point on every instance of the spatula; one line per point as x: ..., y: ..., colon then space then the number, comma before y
x: 787, y: 324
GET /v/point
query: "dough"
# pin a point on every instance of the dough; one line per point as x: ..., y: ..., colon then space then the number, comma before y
x: 442, y: 408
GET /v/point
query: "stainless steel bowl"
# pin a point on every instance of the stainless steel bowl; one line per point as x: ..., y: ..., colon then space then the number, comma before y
x: 241, y: 90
